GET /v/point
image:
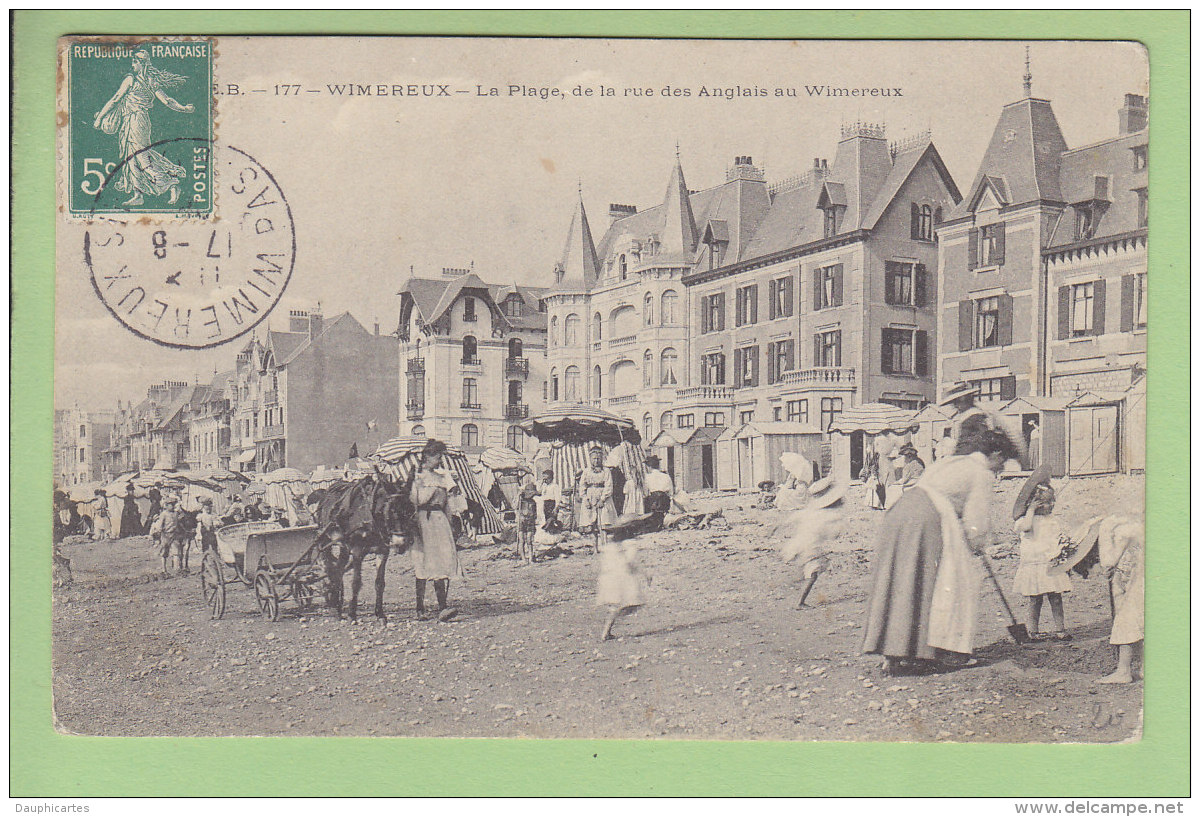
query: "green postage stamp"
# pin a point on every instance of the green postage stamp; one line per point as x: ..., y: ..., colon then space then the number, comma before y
x: 140, y: 117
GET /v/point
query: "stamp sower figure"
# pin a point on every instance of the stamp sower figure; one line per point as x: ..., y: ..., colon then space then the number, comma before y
x: 433, y: 552
x: 127, y: 114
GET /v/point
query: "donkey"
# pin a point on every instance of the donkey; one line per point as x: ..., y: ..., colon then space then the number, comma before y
x: 355, y: 519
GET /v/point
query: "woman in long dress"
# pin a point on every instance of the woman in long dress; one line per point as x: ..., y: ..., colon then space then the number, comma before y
x: 925, y: 578
x: 595, y: 490
x: 433, y: 552
x: 127, y: 114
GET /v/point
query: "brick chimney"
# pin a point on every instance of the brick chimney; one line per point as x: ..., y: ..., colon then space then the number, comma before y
x: 316, y: 322
x: 1133, y: 115
x: 297, y: 320
x: 743, y: 169
x: 619, y: 211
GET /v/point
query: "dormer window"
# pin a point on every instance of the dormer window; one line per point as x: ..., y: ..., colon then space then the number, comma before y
x: 922, y: 222
x: 469, y: 309
x: 1140, y: 153
x: 512, y: 306
x: 1085, y: 222
x: 831, y: 222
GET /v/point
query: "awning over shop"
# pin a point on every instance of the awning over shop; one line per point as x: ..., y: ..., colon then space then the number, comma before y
x: 246, y: 456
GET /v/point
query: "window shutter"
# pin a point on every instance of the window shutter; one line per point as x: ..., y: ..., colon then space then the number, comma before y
x: 1098, y: 308
x: 885, y: 352
x: 1008, y: 388
x: 817, y: 275
x: 920, y: 285
x: 737, y: 368
x: 771, y: 376
x: 914, y: 230
x: 1004, y: 325
x: 972, y: 248
x: 966, y: 325
x: 786, y: 296
x: 721, y: 312
x: 921, y: 353
x: 1128, y: 305
x: 837, y: 348
x: 837, y: 285
x: 791, y: 354
x: 889, y: 274
x: 817, y: 362
x: 754, y: 361
x: 937, y: 216
x: 1064, y: 312
x: 754, y: 304
x: 999, y: 259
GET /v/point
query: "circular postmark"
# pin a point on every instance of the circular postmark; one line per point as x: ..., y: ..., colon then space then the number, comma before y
x: 194, y: 284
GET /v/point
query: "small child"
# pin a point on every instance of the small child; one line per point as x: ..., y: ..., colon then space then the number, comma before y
x: 1123, y: 553
x: 526, y: 520
x: 811, y: 532
x: 1037, y: 576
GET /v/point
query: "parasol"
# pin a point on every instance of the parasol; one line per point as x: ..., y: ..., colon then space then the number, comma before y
x: 503, y: 459
x: 577, y: 422
x: 220, y: 475
x: 874, y: 418
x: 796, y: 465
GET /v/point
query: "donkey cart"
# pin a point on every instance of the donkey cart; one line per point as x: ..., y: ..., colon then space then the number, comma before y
x: 279, y: 563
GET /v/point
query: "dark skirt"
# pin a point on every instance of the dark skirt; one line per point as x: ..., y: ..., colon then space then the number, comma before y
x: 903, y: 573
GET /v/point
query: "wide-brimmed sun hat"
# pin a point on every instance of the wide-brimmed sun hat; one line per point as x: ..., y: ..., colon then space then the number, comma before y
x: 653, y: 461
x: 960, y: 389
x: 825, y: 492
x: 1039, y: 477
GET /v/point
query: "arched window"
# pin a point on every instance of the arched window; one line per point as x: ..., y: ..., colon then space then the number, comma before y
x: 597, y: 327
x: 418, y: 431
x: 514, y: 347
x: 647, y: 427
x: 648, y: 369
x: 666, y: 313
x: 470, y: 350
x: 572, y: 384
x: 470, y: 435
x: 648, y: 310
x: 554, y: 385
x: 667, y: 420
x: 554, y: 331
x: 667, y: 369
x: 624, y: 268
x: 925, y: 223
x: 597, y: 383
x: 516, y: 438
x: 571, y: 330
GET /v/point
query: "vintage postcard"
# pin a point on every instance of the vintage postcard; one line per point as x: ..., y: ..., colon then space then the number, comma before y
x: 601, y: 388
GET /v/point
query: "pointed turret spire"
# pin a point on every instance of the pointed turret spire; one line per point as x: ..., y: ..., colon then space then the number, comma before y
x: 679, y: 225
x: 579, y: 265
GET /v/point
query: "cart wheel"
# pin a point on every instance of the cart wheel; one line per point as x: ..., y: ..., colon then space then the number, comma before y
x: 264, y: 593
x: 212, y: 585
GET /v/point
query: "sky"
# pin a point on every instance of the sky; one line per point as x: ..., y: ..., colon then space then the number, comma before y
x: 381, y: 186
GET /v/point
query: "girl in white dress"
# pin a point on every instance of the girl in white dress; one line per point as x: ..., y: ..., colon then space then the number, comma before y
x: 1038, y: 577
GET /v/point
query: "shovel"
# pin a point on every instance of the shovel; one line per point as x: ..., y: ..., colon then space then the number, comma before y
x: 1018, y: 632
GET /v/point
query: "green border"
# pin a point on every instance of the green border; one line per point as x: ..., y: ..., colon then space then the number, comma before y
x: 44, y: 763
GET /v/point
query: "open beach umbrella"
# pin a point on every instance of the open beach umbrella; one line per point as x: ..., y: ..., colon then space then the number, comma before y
x: 283, y: 475
x: 874, y: 418
x: 797, y: 465
x: 502, y: 459
x: 579, y: 422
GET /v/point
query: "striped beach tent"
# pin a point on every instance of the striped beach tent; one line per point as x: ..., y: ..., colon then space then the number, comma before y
x: 398, y: 458
x: 579, y: 422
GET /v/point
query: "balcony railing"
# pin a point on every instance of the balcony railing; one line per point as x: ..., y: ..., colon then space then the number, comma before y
x: 415, y: 364
x: 628, y: 340
x: 272, y: 432
x: 820, y: 376
x: 270, y: 398
x: 470, y: 406
x: 470, y: 361
x: 516, y: 411
x: 516, y: 367
x: 623, y: 400
x: 705, y: 393
x: 415, y: 410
